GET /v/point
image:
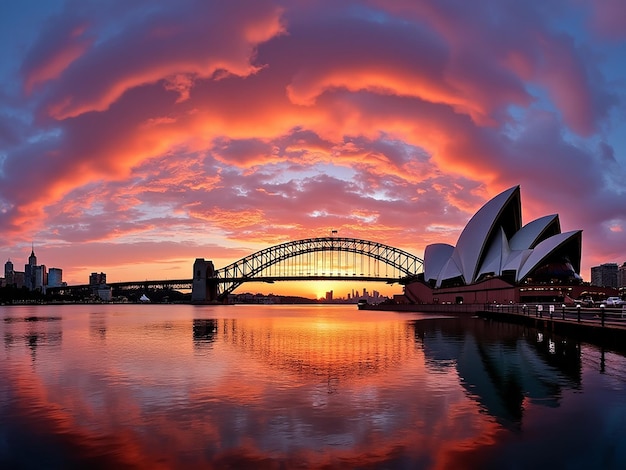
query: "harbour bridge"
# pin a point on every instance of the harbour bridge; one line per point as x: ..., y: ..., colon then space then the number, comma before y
x: 323, y: 258
x: 311, y: 259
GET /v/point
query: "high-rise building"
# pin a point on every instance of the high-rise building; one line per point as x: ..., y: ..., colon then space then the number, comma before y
x: 35, y: 277
x: 604, y: 275
x: 8, y: 269
x: 30, y: 272
x: 16, y: 280
x: 41, y: 278
x: 621, y: 276
x: 55, y: 277
x: 96, y: 279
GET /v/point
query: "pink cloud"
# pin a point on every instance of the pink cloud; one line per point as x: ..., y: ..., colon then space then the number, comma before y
x: 164, y: 46
x: 608, y: 18
x: 64, y: 42
x: 264, y: 123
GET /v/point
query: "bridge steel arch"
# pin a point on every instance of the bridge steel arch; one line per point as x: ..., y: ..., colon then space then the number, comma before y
x: 249, y: 268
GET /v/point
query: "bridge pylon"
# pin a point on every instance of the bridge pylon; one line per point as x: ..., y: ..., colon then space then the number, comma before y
x: 203, y: 290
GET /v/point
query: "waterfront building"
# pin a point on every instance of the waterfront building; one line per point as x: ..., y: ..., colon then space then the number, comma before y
x: 8, y: 274
x: 104, y: 293
x: 98, y: 286
x: 621, y: 277
x: 35, y: 276
x: 55, y: 277
x: 29, y: 271
x: 497, y: 259
x: 604, y: 275
x: 17, y: 280
x: 40, y: 278
x: 95, y: 279
x: 8, y: 268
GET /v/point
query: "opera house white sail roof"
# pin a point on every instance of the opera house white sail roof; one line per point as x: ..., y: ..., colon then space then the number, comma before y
x: 494, y: 243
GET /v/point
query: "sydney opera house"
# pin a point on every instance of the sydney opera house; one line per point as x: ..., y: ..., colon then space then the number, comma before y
x: 497, y: 259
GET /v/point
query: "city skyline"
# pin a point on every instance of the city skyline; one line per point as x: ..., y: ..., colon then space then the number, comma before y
x: 137, y: 137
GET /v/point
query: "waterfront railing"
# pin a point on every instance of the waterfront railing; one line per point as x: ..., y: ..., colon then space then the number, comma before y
x: 602, y: 314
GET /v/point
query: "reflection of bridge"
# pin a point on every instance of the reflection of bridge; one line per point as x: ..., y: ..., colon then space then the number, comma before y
x: 325, y: 258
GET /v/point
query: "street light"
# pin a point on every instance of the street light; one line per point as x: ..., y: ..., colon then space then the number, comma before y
x: 602, y: 315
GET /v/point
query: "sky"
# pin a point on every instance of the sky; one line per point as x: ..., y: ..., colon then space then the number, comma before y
x: 138, y: 136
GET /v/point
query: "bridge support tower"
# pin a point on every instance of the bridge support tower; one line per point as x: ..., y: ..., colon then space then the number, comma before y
x: 202, y: 289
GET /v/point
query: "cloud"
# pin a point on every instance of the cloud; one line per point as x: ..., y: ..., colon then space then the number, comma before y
x: 165, y: 44
x: 265, y: 121
x: 608, y: 18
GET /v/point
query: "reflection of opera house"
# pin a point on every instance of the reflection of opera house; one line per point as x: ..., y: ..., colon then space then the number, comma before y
x: 496, y: 259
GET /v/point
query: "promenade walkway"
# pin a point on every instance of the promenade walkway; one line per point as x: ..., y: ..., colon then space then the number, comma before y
x: 599, y: 325
x: 612, y: 317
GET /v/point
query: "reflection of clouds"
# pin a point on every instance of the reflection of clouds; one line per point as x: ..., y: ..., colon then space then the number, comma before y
x: 144, y: 397
x: 341, y: 351
x: 273, y: 391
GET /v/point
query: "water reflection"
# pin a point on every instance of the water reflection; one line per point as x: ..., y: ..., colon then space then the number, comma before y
x: 337, y: 351
x: 33, y: 331
x: 502, y: 366
x: 98, y: 326
x: 204, y: 331
x: 307, y: 388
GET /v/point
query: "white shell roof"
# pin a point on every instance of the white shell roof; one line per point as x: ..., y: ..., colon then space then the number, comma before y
x: 471, y: 243
x: 511, y: 247
x: 435, y: 258
x: 530, y: 234
x: 543, y: 250
x: 449, y: 271
x: 496, y: 256
x: 516, y: 260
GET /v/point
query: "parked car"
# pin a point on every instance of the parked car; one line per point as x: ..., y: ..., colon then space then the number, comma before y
x: 614, y: 302
x: 585, y: 302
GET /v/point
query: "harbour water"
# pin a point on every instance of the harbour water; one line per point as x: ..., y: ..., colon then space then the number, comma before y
x: 315, y: 386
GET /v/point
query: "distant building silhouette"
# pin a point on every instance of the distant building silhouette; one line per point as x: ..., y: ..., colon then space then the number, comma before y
x: 55, y: 277
x: 621, y: 276
x: 95, y: 279
x: 604, y: 275
x: 35, y: 277
x: 8, y: 268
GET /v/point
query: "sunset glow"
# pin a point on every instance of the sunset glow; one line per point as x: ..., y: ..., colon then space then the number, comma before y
x: 136, y: 137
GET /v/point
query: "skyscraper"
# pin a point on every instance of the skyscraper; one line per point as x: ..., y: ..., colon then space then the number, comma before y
x: 29, y: 271
x: 55, y: 277
x: 9, y: 273
x: 8, y: 269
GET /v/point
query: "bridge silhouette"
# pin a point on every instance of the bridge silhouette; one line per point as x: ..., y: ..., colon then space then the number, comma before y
x: 311, y: 259
x: 323, y: 258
